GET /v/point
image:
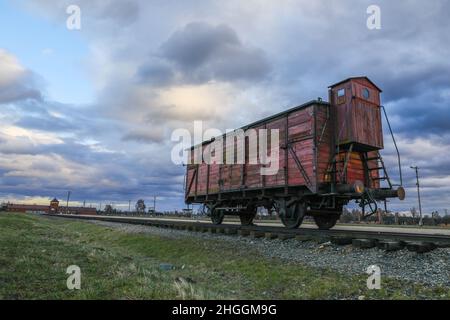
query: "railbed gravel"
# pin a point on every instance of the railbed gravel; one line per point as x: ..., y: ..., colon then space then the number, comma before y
x: 430, y: 269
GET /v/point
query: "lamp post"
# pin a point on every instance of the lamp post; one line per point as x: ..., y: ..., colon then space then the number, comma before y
x: 418, y: 193
x: 67, y: 203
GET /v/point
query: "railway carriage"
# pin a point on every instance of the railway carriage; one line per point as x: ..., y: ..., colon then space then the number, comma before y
x: 328, y: 155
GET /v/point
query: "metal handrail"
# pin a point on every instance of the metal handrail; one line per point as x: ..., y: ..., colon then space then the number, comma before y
x: 395, y: 144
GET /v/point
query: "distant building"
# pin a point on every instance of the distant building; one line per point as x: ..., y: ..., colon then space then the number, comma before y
x: 53, y: 208
x: 54, y: 205
x: 27, y: 208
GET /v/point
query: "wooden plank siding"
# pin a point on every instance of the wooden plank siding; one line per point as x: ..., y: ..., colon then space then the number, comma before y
x: 309, y: 131
x: 358, y: 117
x: 300, y: 128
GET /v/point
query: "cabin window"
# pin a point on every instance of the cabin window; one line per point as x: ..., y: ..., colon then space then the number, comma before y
x: 341, y: 96
x: 366, y: 93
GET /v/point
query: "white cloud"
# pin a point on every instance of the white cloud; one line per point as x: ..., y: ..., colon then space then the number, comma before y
x: 34, y: 136
x: 142, y: 94
x: 11, y: 71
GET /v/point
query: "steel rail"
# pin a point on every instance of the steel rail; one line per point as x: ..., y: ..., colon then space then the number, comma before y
x: 438, y: 239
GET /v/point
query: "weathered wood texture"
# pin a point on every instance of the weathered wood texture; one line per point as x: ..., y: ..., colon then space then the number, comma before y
x: 305, y: 146
x: 358, y: 116
x: 226, y: 177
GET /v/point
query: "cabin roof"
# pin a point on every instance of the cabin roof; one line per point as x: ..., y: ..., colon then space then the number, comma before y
x: 274, y: 116
x: 355, y: 78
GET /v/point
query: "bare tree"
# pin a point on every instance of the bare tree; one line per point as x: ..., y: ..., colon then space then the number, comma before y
x: 140, y: 206
x: 413, y: 212
x: 108, y: 209
x: 435, y: 214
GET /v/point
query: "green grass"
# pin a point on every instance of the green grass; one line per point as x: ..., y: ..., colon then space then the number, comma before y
x: 35, y: 252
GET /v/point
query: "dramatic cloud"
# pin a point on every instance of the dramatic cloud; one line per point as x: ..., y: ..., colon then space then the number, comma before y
x: 203, y: 52
x: 100, y: 13
x: 16, y: 83
x: 147, y: 136
x: 158, y: 66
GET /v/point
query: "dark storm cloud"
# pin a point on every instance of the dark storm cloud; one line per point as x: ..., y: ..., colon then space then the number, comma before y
x: 155, y: 74
x: 423, y: 116
x: 122, y: 12
x: 90, y: 174
x: 202, y: 52
x: 146, y: 136
x: 17, y: 92
x: 24, y: 87
x: 81, y: 122
x: 48, y: 124
x: 16, y: 82
x: 51, y: 116
x: 30, y: 167
x: 414, y: 82
x: 197, y: 43
x: 97, y: 14
x: 301, y: 46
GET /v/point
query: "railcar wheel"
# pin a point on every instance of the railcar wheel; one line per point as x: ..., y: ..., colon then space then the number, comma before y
x: 216, y: 215
x: 247, y: 216
x: 326, y: 222
x: 291, y: 216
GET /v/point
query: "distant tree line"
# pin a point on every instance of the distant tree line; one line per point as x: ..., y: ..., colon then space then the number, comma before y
x: 348, y: 216
x: 395, y: 218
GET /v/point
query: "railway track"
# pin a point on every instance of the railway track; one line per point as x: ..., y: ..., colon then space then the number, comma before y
x: 419, y: 242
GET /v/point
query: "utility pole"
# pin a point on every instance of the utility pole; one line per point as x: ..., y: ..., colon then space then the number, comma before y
x: 154, y: 204
x: 129, y: 206
x: 67, y: 203
x: 418, y: 193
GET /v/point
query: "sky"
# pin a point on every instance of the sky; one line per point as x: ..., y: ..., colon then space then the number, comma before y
x: 92, y: 110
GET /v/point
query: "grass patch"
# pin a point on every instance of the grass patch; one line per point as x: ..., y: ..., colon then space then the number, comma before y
x: 36, y: 251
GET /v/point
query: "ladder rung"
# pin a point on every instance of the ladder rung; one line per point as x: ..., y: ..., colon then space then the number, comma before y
x: 381, y: 178
x: 370, y: 159
x: 379, y: 168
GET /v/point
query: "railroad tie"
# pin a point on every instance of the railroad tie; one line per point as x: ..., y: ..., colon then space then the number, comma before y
x: 230, y: 231
x: 270, y: 235
x: 390, y: 245
x: 256, y: 234
x: 285, y: 236
x: 212, y: 230
x: 420, y: 247
x: 364, y: 243
x: 302, y: 237
x: 341, y: 240
x: 243, y: 232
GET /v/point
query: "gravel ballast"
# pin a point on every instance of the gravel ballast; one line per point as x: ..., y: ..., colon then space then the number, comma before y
x: 431, y: 268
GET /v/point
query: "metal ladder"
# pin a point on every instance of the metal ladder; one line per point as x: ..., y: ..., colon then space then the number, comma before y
x: 379, y: 166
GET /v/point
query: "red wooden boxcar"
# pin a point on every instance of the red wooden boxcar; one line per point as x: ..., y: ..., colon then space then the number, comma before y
x: 328, y: 154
